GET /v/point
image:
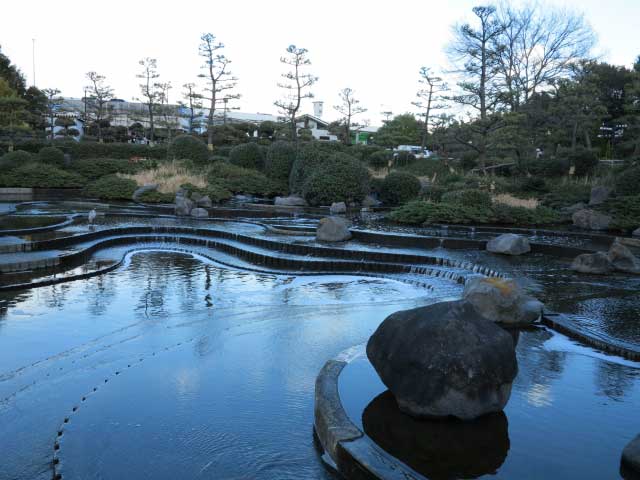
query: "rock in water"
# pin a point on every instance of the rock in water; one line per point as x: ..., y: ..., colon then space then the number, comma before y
x: 333, y: 229
x: 597, y: 263
x: 337, y: 208
x: 204, y: 202
x: 509, y: 244
x: 199, y: 212
x: 444, y: 359
x: 290, y: 201
x: 599, y: 195
x: 631, y: 455
x: 501, y: 301
x: 591, y: 220
x: 184, y: 205
x: 622, y: 259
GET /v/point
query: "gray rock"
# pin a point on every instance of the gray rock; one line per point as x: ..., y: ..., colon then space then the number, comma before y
x: 509, y: 244
x: 636, y: 232
x: 199, y: 212
x: 591, y: 220
x: 599, y: 195
x: 631, y: 455
x: 144, y: 189
x: 501, y: 301
x: 333, y: 229
x: 369, y: 201
x: 622, y: 259
x: 204, y: 202
x: 444, y: 359
x: 597, y: 263
x: 290, y: 201
x: 338, y: 207
x: 183, y: 205
x: 195, y: 196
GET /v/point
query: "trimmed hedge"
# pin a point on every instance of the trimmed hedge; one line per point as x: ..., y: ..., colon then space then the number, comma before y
x: 242, y: 180
x: 309, y: 157
x: 40, y: 175
x: 125, y: 151
x: 279, y: 161
x: 51, y: 155
x: 188, y: 147
x: 341, y: 178
x: 15, y: 159
x: 467, y: 198
x: 111, y: 187
x: 399, y: 187
x: 95, y: 168
x: 379, y: 159
x: 247, y: 155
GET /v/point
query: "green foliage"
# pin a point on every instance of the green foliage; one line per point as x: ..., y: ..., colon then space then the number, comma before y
x: 40, y: 175
x: 341, y: 178
x: 401, y: 130
x: 548, y: 167
x: 247, y: 155
x: 404, y: 159
x: 583, y: 159
x: 279, y: 161
x: 216, y: 192
x: 111, y: 187
x: 625, y: 211
x: 420, y: 212
x: 242, y: 180
x: 82, y: 150
x: 51, y: 155
x: 363, y: 152
x: 93, y: 168
x: 566, y: 194
x: 309, y: 157
x: 533, y: 185
x: 15, y: 159
x: 399, y: 187
x: 190, y: 148
x: 380, y: 159
x: 154, y: 196
x: 467, y: 198
x: 628, y: 181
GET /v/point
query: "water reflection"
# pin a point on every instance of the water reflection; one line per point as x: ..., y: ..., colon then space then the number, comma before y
x: 438, y: 449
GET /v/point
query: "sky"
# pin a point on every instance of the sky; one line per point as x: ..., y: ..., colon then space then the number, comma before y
x: 374, y: 47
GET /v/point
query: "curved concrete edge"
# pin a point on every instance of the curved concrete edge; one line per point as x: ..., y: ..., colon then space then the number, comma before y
x: 54, y: 226
x: 561, y: 323
x: 347, y: 450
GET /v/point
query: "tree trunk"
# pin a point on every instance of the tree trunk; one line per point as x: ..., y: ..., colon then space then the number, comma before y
x: 587, y: 139
x: 574, y: 136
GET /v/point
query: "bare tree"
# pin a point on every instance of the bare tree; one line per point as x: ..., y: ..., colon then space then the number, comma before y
x: 296, y: 85
x: 193, y: 101
x: 218, y: 76
x: 98, y: 100
x: 168, y: 114
x: 150, y: 91
x: 537, y: 47
x: 54, y: 102
x: 429, y: 98
x: 349, y: 108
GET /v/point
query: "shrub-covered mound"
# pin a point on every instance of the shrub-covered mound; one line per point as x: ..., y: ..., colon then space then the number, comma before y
x: 279, y: 161
x: 243, y: 180
x: 52, y: 156
x: 399, y: 187
x: 309, y: 157
x: 467, y: 198
x: 379, y: 159
x: 625, y: 212
x: 627, y: 182
x: 111, y: 187
x: 341, y: 178
x: 94, y: 168
x: 40, y: 175
x: 247, y: 155
x: 15, y: 159
x: 188, y: 147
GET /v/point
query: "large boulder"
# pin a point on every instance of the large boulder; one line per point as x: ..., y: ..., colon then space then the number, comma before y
x: 622, y: 259
x: 509, y: 244
x: 290, y: 201
x: 631, y: 455
x: 333, y: 229
x: 636, y: 232
x: 597, y: 263
x: 501, y: 301
x: 591, y: 220
x: 204, y: 202
x: 144, y: 189
x: 338, y: 208
x: 184, y: 205
x: 199, y: 213
x: 444, y: 359
x: 599, y: 195
x: 370, y: 201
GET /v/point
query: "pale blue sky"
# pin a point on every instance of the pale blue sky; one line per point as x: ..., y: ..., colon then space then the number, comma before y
x: 374, y: 47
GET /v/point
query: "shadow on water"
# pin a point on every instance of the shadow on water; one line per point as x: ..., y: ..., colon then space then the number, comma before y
x: 438, y: 449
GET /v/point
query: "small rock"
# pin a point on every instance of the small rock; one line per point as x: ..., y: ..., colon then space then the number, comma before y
x: 444, y: 359
x: 622, y: 259
x: 597, y: 263
x: 333, y: 229
x: 183, y: 205
x: 591, y: 220
x: 144, y: 189
x: 636, y: 232
x: 631, y: 455
x: 204, y: 202
x: 199, y: 212
x: 369, y: 201
x: 290, y: 201
x: 337, y: 208
x: 501, y: 301
x: 599, y: 195
x: 509, y: 244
